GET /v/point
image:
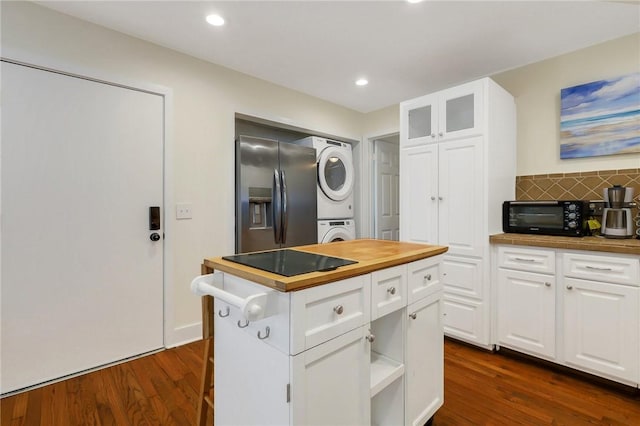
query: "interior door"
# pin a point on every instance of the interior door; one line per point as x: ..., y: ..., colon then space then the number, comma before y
x: 82, y: 281
x: 387, y: 182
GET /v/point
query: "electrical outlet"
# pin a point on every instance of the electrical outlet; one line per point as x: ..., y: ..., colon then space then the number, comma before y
x: 184, y: 211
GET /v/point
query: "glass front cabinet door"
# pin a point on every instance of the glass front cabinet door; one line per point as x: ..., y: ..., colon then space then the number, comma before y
x: 449, y: 114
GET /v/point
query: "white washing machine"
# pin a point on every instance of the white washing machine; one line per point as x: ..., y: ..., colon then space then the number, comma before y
x: 336, y: 177
x: 336, y: 230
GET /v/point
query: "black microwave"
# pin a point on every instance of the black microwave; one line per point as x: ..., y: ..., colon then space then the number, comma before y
x: 544, y: 217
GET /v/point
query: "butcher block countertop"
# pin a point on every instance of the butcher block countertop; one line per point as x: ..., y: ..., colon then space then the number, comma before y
x: 371, y: 255
x: 610, y: 245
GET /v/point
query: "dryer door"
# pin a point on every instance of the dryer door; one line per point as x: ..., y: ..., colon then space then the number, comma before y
x: 335, y: 173
x: 336, y: 234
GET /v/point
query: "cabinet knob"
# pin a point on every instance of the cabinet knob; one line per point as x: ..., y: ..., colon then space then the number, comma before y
x: 427, y: 278
x: 547, y: 284
x: 433, y: 135
x: 338, y: 309
x: 433, y: 198
x: 569, y: 287
x: 391, y: 290
x: 441, y: 134
x: 413, y: 315
x: 440, y: 198
x: 371, y: 338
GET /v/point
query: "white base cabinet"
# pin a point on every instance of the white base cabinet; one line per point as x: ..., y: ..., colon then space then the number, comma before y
x: 579, y: 309
x: 527, y: 312
x: 350, y: 352
x: 327, y: 382
x: 601, y: 327
x: 457, y: 165
x: 424, y: 345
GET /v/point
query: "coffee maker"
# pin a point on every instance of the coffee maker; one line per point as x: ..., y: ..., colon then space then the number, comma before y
x: 617, y: 221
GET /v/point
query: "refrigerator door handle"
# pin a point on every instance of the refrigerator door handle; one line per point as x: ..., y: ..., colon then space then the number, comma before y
x: 277, y: 206
x: 285, y: 211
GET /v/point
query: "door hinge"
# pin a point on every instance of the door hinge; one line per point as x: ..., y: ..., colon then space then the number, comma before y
x: 288, y: 392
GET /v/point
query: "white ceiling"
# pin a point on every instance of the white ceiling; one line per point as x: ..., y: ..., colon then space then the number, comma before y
x: 405, y: 50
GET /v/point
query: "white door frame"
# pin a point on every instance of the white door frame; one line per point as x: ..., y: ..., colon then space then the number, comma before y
x: 48, y: 64
x: 367, y: 179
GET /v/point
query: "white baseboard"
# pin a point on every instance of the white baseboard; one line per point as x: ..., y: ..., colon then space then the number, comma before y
x: 183, y: 335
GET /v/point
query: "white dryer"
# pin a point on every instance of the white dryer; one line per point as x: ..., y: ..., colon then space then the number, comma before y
x: 336, y: 177
x: 336, y: 230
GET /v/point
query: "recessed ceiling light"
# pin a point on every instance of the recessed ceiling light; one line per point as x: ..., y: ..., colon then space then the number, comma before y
x: 362, y: 82
x: 215, y: 20
x: 414, y: 1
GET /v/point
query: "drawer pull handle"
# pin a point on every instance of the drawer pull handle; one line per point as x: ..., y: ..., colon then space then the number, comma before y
x: 267, y: 331
x: 413, y: 315
x: 569, y: 287
x: 246, y: 324
x: 595, y: 268
x: 522, y: 259
x: 371, y: 338
x: 226, y: 312
x: 338, y: 309
x: 427, y: 277
x: 391, y: 290
x: 548, y: 284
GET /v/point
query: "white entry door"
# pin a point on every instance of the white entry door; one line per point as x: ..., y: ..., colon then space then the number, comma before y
x: 387, y: 183
x: 82, y: 281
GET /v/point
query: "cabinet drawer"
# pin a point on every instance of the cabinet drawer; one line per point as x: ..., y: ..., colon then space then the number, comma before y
x: 525, y: 259
x: 423, y: 278
x: 611, y: 269
x: 388, y: 290
x: 462, y: 276
x: 324, y: 312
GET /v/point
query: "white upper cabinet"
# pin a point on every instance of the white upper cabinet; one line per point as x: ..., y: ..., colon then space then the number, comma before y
x: 449, y: 114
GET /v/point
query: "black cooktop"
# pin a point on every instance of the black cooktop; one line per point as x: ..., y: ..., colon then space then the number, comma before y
x: 289, y: 262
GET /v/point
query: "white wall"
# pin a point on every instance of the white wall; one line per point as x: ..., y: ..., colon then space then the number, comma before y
x: 206, y: 97
x: 536, y: 88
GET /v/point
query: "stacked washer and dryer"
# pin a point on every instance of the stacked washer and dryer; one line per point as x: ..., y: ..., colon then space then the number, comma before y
x: 336, y: 177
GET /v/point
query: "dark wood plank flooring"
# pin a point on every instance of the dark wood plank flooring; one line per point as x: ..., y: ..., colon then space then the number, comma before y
x: 481, y: 388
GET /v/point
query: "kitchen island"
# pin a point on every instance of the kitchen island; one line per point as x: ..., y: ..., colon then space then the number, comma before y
x: 361, y: 344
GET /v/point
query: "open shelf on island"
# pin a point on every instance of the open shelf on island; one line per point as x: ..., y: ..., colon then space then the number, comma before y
x: 383, y: 372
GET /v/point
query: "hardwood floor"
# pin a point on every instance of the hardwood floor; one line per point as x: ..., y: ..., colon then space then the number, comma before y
x: 481, y: 388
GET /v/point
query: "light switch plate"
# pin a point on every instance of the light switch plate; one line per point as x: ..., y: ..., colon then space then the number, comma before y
x: 184, y: 211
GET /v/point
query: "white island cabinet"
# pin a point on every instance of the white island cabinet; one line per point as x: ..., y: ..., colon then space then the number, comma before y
x: 355, y: 351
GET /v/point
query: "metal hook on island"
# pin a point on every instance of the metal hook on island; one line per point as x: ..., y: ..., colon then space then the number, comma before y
x: 243, y: 326
x: 267, y: 331
x: 226, y: 312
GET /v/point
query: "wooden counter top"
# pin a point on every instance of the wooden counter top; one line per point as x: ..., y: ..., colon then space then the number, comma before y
x: 623, y: 246
x: 371, y: 255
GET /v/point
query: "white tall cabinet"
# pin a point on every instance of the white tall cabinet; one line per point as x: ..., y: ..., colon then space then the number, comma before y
x: 457, y: 166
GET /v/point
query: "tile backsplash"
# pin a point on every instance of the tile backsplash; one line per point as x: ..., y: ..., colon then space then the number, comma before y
x: 575, y: 186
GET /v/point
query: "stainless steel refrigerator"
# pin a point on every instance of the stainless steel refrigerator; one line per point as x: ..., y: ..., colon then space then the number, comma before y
x: 276, y: 203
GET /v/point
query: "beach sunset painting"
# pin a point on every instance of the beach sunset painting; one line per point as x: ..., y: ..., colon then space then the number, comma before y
x: 600, y: 118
